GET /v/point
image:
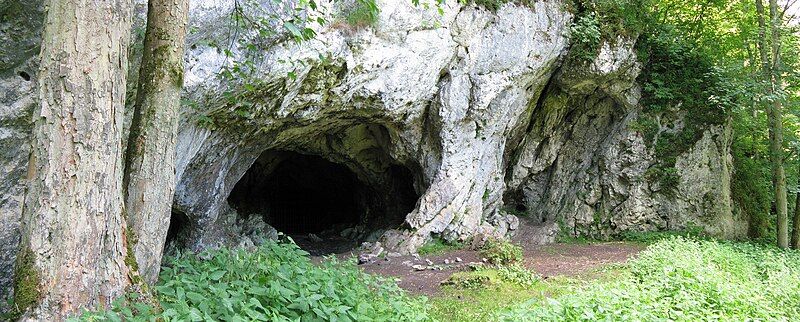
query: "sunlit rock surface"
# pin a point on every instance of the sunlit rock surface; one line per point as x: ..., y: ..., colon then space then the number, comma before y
x: 451, y: 123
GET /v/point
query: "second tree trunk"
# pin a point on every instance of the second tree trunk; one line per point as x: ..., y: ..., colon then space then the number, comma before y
x: 150, y: 160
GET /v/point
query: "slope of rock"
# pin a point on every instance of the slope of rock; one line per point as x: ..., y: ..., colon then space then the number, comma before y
x: 430, y: 124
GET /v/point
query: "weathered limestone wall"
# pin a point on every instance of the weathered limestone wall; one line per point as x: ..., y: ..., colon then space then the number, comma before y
x: 483, y: 108
x: 19, y: 44
x: 449, y: 100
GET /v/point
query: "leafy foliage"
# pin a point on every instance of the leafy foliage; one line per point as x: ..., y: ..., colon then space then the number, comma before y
x: 585, y: 33
x: 362, y: 13
x: 254, y: 28
x: 723, y: 35
x: 518, y: 275
x: 692, y: 232
x: 501, y: 252
x: 278, y: 282
x: 438, y: 246
x: 682, y: 279
x: 604, y: 20
x: 751, y: 187
x: 683, y: 94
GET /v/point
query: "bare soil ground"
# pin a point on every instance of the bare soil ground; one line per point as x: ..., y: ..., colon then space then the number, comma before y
x: 549, y: 260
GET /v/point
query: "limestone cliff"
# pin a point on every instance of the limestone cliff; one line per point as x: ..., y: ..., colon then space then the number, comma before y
x: 451, y: 124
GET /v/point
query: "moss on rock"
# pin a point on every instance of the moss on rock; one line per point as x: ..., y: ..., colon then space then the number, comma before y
x: 26, y: 283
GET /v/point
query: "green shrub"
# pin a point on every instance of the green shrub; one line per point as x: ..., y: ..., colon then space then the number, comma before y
x: 478, y: 278
x: 667, y: 177
x: 751, y: 184
x: 437, y: 246
x: 362, y: 13
x: 681, y: 84
x: 680, y: 279
x: 278, y: 282
x: 585, y: 35
x: 518, y: 275
x: 501, y: 252
x: 692, y: 231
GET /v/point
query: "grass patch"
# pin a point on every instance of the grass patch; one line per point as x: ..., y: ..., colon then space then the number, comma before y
x: 645, y: 238
x: 438, y: 246
x: 683, y: 279
x: 501, y: 252
x: 464, y: 300
x: 477, y: 295
x: 694, y: 232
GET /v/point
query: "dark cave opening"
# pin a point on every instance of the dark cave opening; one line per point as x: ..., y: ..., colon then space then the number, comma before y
x: 308, y: 194
x: 177, y: 233
x: 323, y: 205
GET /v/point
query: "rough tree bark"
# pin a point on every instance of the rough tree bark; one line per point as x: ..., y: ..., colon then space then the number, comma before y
x: 73, y: 251
x: 776, y: 23
x: 795, y: 242
x: 775, y: 117
x: 150, y: 158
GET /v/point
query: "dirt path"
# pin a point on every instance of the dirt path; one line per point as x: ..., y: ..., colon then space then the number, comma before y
x: 550, y: 260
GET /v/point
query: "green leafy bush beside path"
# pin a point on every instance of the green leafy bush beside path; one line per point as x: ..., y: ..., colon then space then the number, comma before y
x: 277, y: 282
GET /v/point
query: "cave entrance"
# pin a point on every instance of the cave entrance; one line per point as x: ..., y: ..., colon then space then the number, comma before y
x: 323, y: 205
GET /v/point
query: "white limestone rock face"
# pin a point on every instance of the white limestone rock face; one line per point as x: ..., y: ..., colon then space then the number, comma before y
x: 483, y: 110
x: 583, y: 166
x: 19, y: 40
x: 442, y: 95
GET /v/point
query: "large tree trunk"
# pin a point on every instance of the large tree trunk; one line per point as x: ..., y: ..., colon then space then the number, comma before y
x: 73, y: 251
x: 150, y: 160
x: 775, y: 117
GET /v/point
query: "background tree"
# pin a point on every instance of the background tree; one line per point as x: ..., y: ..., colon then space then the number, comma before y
x: 771, y: 69
x: 149, y: 178
x: 74, y: 246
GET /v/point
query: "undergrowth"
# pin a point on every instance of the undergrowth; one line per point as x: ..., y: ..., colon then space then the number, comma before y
x: 437, y: 246
x: 501, y: 252
x: 278, y: 282
x: 652, y: 237
x: 362, y: 13
x: 478, y: 294
x: 683, y: 279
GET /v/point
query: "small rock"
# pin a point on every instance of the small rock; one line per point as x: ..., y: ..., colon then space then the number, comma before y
x: 484, y: 260
x: 447, y: 262
x: 408, y: 263
x: 429, y: 262
x: 418, y: 267
x: 366, y: 258
x: 433, y: 268
x: 394, y: 254
x: 416, y: 257
x: 458, y: 259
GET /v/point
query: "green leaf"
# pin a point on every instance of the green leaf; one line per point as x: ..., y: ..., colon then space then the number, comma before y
x: 217, y: 275
x: 293, y: 29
